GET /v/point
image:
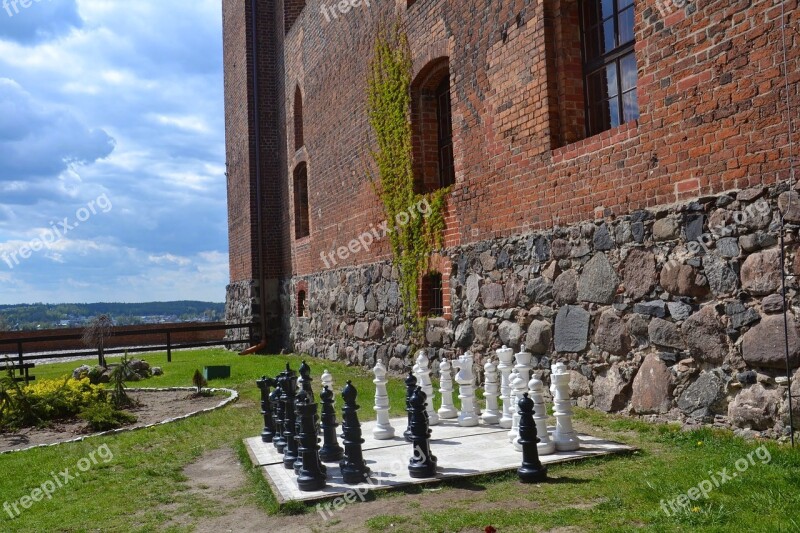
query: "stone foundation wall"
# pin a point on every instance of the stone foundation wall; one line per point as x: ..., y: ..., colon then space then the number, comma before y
x: 241, y: 307
x: 672, y: 313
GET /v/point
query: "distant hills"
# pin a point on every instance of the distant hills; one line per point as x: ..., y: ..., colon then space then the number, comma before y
x: 48, y: 316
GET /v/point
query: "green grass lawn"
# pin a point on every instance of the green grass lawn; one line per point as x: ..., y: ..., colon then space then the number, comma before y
x: 143, y: 485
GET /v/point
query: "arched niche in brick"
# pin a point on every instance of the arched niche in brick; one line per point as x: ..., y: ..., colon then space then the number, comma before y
x: 302, y: 209
x: 292, y: 10
x: 299, y: 140
x: 432, y: 127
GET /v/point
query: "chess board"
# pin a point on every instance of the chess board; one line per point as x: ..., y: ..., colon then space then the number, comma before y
x: 461, y: 452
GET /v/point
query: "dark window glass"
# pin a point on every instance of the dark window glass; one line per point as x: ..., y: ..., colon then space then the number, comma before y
x: 610, y: 71
x: 302, y: 213
x: 447, y: 175
x: 432, y: 285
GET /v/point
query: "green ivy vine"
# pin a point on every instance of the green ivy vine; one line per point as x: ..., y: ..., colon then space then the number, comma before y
x: 389, y: 110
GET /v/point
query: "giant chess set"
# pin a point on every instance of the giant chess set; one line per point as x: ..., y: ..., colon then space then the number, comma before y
x: 302, y: 458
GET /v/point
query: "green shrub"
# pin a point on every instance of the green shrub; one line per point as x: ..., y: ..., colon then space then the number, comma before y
x: 103, y: 417
x: 46, y: 400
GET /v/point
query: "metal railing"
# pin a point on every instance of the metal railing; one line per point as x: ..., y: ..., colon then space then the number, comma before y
x: 150, y: 343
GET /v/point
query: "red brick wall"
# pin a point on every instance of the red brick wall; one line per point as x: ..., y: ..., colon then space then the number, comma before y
x: 710, y: 91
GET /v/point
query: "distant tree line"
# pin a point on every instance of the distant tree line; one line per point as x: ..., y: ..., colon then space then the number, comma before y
x: 45, y: 316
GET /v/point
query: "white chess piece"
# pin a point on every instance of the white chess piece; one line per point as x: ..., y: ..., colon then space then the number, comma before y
x: 383, y: 428
x: 518, y: 387
x: 447, y: 410
x: 466, y: 390
x: 491, y: 392
x: 565, y: 437
x: 327, y: 380
x: 545, y: 446
x: 423, y: 374
x: 506, y: 355
x: 523, y: 365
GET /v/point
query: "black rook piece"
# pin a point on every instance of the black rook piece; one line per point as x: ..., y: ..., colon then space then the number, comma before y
x: 331, y: 451
x: 312, y: 474
x: 411, y: 386
x: 423, y: 462
x: 265, y: 384
x: 532, y: 470
x: 289, y: 420
x: 354, y: 470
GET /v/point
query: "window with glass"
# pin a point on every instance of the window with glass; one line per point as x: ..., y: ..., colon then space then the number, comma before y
x: 609, y: 63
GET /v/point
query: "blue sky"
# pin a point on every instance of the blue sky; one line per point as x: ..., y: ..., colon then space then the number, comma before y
x: 112, y: 160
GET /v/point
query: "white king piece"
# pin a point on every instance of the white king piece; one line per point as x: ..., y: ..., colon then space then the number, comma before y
x: 506, y: 356
x: 565, y: 438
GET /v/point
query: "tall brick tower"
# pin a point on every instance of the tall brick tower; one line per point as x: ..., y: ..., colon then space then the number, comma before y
x: 254, y: 188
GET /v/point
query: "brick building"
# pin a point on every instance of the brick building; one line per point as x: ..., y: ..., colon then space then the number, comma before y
x: 617, y: 170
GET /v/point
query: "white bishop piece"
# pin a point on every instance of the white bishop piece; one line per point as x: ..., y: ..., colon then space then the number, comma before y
x: 506, y: 355
x: 383, y: 428
x: 447, y: 410
x: 566, y: 439
x: 466, y: 390
x: 491, y: 392
x: 423, y: 373
x: 545, y: 446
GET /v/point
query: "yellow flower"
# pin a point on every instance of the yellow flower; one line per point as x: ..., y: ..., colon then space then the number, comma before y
x: 699, y: 443
x: 695, y: 509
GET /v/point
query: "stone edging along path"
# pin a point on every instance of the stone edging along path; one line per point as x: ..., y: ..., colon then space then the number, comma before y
x: 233, y: 396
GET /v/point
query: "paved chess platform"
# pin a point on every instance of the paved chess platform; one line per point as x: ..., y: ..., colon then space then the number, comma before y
x: 461, y: 452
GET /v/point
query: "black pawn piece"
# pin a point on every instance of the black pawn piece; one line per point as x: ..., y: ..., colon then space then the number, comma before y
x: 331, y: 451
x: 423, y: 463
x: 532, y: 470
x: 277, y: 416
x: 311, y: 476
x: 411, y: 386
x: 264, y: 384
x: 354, y: 470
x: 290, y: 452
x: 306, y: 379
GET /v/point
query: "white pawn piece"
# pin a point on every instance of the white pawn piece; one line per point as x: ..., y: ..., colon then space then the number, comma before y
x: 523, y: 365
x: 466, y: 390
x: 327, y: 380
x: 565, y: 437
x: 447, y: 410
x: 518, y: 387
x: 491, y: 392
x: 423, y: 373
x: 383, y: 428
x: 506, y: 355
x: 545, y: 446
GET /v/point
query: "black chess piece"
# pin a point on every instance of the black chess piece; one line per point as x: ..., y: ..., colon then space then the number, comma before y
x: 265, y: 384
x: 312, y: 475
x: 354, y: 470
x: 290, y: 418
x: 305, y: 380
x: 532, y: 470
x: 331, y: 451
x: 277, y: 416
x: 411, y: 386
x: 423, y: 463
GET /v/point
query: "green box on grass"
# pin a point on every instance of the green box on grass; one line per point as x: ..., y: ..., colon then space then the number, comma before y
x: 216, y: 372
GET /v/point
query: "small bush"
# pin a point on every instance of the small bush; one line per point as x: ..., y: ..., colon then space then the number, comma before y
x: 103, y: 417
x: 46, y: 400
x: 199, y: 381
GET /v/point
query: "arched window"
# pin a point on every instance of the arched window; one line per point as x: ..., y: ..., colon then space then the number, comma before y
x: 301, y: 303
x: 432, y: 125
x: 432, y: 296
x: 302, y: 210
x: 299, y: 142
